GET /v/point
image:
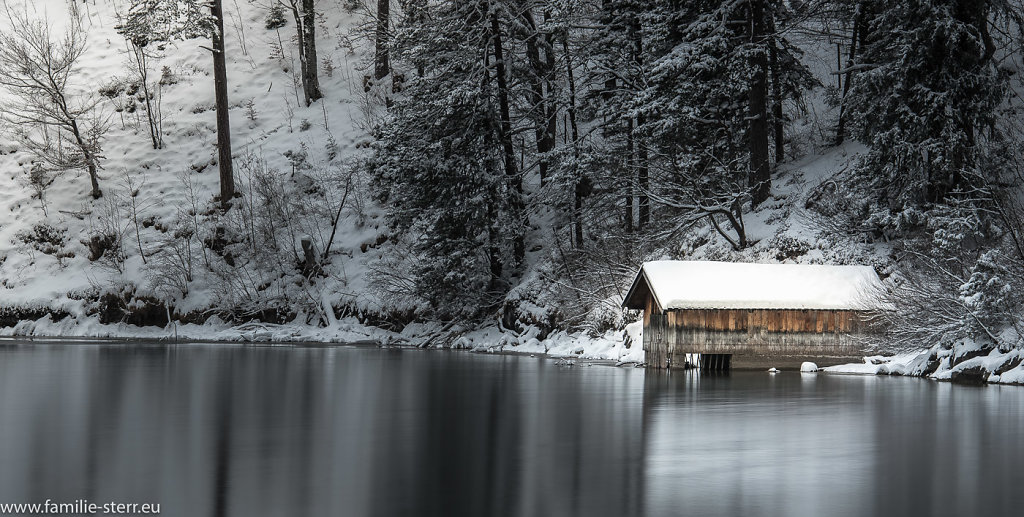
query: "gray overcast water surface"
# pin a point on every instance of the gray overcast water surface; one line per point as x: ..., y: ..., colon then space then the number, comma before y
x: 209, y: 430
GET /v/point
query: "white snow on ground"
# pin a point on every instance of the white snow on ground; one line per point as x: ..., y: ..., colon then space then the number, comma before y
x: 610, y: 346
x: 872, y: 365
x: 268, y: 120
x: 915, y: 363
x: 681, y: 284
x: 344, y: 331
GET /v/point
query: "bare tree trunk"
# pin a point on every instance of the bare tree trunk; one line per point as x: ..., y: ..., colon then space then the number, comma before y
x: 760, y: 175
x: 643, y: 180
x: 87, y: 152
x: 93, y: 180
x: 579, y: 191
x: 777, y: 120
x: 855, y: 38
x: 628, y: 179
x: 607, y: 18
x: 416, y: 14
x: 305, y: 28
x: 142, y: 65
x: 493, y: 245
x: 310, y: 78
x: 542, y: 110
x: 515, y: 183
x: 220, y: 80
x: 551, y: 110
x: 643, y: 183
x: 381, y: 61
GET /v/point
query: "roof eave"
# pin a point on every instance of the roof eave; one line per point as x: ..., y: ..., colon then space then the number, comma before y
x: 641, y: 276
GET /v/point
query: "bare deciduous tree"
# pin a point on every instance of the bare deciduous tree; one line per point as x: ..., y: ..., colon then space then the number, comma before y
x: 137, y: 27
x: 47, y: 115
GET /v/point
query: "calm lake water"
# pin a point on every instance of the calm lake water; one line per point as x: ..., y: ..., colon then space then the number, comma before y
x: 208, y: 430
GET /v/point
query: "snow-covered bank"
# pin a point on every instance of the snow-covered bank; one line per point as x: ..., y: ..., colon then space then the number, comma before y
x: 620, y: 346
x: 967, y: 362
x: 214, y: 329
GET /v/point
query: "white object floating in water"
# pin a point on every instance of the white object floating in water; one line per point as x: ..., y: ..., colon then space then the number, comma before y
x: 808, y: 367
x: 773, y: 370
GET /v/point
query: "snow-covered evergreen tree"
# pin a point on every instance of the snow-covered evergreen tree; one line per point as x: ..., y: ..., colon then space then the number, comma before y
x: 924, y: 97
x: 439, y: 165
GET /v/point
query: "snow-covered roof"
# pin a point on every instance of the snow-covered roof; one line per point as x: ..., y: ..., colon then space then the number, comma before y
x: 677, y: 284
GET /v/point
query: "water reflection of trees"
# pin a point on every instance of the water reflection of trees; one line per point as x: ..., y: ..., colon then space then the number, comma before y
x: 211, y: 430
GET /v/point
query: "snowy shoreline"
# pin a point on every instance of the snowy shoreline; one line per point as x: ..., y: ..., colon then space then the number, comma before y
x: 965, y: 362
x: 610, y: 346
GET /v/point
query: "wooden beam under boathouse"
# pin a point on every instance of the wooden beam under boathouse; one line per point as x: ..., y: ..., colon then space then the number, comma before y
x: 752, y: 315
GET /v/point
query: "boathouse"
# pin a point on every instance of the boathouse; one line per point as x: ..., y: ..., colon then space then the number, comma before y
x: 751, y: 315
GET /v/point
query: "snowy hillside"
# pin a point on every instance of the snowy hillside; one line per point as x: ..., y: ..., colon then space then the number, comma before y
x: 269, y: 123
x: 493, y: 178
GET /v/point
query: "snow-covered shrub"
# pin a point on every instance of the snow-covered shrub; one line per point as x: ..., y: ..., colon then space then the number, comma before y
x: 40, y: 179
x: 257, y: 263
x: 123, y: 303
x: 275, y: 17
x: 602, y: 318
x: 585, y: 286
x: 784, y: 247
x: 328, y: 66
x: 100, y: 244
x: 827, y: 199
x: 988, y: 295
x: 107, y: 227
x: 45, y: 238
x: 956, y: 282
x: 167, y: 76
x: 298, y: 158
x: 172, y: 269
x: 250, y: 109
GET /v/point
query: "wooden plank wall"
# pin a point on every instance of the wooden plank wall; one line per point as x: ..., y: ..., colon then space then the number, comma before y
x: 788, y: 320
x: 667, y: 337
x: 655, y: 341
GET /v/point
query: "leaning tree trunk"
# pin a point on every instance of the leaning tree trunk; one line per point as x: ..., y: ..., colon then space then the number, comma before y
x: 759, y: 178
x: 220, y: 81
x: 94, y: 177
x: 87, y: 152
